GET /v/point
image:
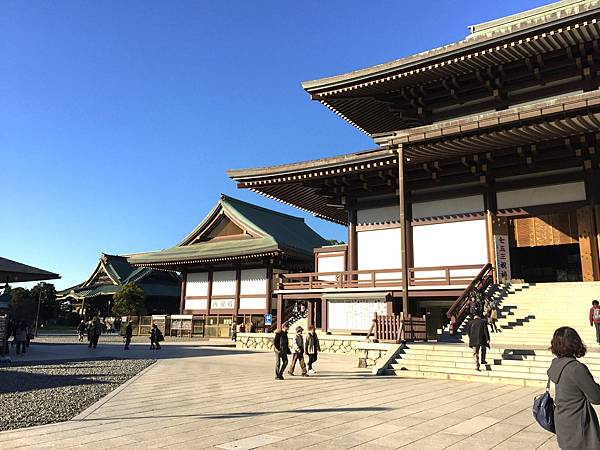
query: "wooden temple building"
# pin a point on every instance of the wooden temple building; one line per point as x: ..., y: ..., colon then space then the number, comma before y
x: 95, y: 295
x: 230, y: 263
x: 486, y: 168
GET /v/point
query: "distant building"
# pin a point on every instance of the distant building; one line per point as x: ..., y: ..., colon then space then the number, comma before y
x: 231, y: 260
x: 95, y: 295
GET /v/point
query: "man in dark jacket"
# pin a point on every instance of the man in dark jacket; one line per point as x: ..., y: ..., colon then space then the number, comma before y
x: 479, y: 338
x: 281, y: 347
x: 128, y: 334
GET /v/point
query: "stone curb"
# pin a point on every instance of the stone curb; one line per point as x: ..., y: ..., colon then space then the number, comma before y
x: 92, y: 408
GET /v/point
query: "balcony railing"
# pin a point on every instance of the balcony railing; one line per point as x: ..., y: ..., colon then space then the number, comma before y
x: 381, y: 278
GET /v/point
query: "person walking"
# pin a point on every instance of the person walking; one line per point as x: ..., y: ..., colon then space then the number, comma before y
x: 94, y: 332
x: 21, y: 337
x: 233, y: 332
x: 155, y: 337
x: 493, y: 318
x: 281, y: 347
x: 595, y: 318
x: 312, y: 347
x: 81, y: 328
x: 298, y: 353
x: 479, y: 339
x: 576, y: 391
x: 128, y: 334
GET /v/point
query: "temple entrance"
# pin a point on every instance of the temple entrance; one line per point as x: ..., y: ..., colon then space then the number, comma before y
x: 549, y: 263
x: 545, y: 248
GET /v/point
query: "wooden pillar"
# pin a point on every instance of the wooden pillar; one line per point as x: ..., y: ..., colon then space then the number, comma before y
x: 209, y: 293
x: 279, y: 310
x: 587, y: 243
x: 324, y: 324
x: 352, y: 261
x: 183, y: 287
x: 403, y: 231
x: 269, y: 289
x: 310, y: 306
x: 238, y: 288
x: 592, y: 186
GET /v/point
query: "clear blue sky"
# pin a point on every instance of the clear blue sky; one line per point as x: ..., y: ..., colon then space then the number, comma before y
x: 118, y: 119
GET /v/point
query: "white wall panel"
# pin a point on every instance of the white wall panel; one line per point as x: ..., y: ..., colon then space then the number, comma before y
x: 450, y: 244
x: 254, y: 281
x: 353, y: 314
x: 378, y: 215
x: 330, y: 264
x: 461, y: 205
x: 543, y: 195
x: 253, y: 303
x: 379, y: 249
x: 224, y: 283
x: 196, y: 304
x: 197, y: 284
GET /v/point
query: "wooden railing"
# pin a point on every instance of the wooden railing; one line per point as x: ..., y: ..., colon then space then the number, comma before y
x: 398, y: 328
x: 460, y: 308
x: 418, y: 276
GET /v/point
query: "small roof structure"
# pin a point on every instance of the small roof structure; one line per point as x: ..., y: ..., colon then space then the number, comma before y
x: 236, y: 230
x: 114, y: 271
x: 16, y: 272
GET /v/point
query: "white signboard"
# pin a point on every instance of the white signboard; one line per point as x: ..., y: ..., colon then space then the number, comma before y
x: 356, y: 315
x: 222, y: 303
x: 502, y: 258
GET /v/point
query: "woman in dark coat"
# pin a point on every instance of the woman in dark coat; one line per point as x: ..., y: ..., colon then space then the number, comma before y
x: 575, y: 419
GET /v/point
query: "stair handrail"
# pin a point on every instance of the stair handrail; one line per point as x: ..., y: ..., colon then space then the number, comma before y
x: 458, y: 310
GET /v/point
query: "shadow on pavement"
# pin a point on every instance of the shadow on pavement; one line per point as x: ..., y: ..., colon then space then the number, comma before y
x: 240, y: 415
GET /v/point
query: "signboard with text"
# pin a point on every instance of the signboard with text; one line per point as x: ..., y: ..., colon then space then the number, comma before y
x: 502, y: 258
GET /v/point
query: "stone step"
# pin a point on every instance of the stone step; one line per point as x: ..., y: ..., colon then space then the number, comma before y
x: 475, y: 376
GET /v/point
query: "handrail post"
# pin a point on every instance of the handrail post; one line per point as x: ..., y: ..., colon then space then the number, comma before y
x: 447, y: 276
x: 373, y: 278
x: 310, y: 281
x: 376, y: 327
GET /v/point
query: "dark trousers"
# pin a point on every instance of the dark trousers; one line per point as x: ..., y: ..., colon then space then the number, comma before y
x: 93, y: 341
x: 298, y: 357
x: 493, y: 325
x: 127, y: 342
x: 21, y: 347
x: 476, y: 350
x: 597, y: 326
x: 281, y: 362
x: 311, y: 360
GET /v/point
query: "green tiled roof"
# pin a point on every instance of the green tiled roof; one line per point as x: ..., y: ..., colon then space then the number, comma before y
x: 121, y: 272
x: 274, y: 231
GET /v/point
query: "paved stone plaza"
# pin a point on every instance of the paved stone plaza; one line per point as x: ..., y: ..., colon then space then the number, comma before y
x: 206, y: 396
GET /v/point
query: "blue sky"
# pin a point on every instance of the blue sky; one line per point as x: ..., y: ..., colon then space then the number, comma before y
x: 118, y: 119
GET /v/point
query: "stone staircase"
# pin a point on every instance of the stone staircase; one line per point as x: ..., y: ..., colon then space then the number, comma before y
x: 528, y: 316
x: 520, y: 367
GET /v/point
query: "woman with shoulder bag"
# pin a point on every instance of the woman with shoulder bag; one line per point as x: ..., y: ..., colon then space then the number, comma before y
x: 312, y: 348
x: 576, y: 391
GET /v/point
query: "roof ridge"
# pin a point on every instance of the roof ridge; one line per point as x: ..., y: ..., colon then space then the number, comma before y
x: 260, y: 208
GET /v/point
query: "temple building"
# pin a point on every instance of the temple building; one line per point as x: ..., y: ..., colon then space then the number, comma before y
x: 231, y: 263
x: 95, y: 295
x: 485, y: 169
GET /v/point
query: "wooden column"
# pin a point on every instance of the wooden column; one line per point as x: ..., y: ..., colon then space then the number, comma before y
x: 352, y: 260
x: 587, y: 243
x: 592, y: 186
x: 183, y: 287
x: 269, y: 289
x: 491, y: 209
x: 279, y: 310
x: 310, y: 307
x: 238, y: 287
x: 403, y: 231
x: 209, y: 293
x: 324, y: 315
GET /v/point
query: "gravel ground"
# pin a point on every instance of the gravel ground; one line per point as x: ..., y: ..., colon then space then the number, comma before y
x: 37, y: 394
